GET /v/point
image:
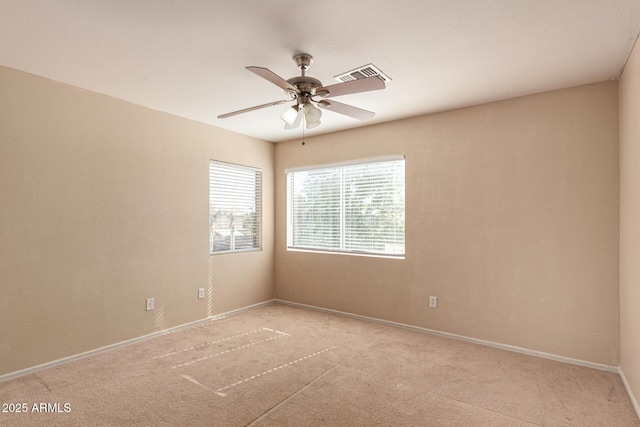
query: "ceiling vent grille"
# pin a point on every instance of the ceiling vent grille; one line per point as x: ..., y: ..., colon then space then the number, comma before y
x: 365, y: 71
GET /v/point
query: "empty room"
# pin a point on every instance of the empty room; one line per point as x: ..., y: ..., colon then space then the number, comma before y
x: 299, y: 213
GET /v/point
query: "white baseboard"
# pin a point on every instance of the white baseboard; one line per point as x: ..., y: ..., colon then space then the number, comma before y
x: 634, y: 402
x: 507, y: 347
x: 31, y: 370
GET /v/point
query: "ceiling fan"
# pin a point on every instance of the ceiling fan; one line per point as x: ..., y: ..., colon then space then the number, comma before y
x: 303, y: 89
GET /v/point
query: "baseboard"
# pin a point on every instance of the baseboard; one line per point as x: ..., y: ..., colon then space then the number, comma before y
x: 634, y: 402
x: 507, y: 347
x: 31, y: 370
x: 602, y: 367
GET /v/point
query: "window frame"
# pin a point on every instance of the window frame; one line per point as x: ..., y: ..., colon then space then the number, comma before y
x: 257, y: 204
x: 342, y: 250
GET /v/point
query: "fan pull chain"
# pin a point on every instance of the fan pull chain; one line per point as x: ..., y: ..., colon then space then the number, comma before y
x: 304, y: 125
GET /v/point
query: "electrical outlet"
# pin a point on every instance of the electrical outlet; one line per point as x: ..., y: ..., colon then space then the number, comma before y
x: 150, y: 304
x: 433, y: 302
x: 200, y: 293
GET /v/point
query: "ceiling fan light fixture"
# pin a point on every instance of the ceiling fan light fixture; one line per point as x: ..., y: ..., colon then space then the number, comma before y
x: 311, y: 113
x: 290, y: 114
x: 311, y: 125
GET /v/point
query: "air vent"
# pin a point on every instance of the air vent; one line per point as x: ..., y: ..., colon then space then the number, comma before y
x: 365, y: 71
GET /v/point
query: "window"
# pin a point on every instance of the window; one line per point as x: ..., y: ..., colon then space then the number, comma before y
x: 354, y: 208
x: 234, y: 207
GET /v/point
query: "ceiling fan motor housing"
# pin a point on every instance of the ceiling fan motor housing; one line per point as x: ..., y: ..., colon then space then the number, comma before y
x: 306, y: 85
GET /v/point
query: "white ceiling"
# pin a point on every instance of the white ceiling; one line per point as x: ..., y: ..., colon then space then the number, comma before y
x: 188, y: 57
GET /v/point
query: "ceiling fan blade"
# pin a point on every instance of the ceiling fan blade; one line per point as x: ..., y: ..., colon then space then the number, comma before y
x: 257, y: 107
x: 347, y: 110
x: 354, y: 86
x: 269, y: 75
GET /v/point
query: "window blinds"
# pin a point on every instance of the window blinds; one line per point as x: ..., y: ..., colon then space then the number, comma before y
x: 357, y: 208
x: 234, y: 207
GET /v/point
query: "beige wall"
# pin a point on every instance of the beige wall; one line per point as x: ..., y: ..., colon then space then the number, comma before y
x: 511, y: 220
x: 102, y: 205
x: 630, y: 224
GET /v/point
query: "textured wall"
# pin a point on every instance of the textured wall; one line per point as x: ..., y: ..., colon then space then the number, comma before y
x: 511, y: 220
x: 102, y: 205
x: 630, y: 224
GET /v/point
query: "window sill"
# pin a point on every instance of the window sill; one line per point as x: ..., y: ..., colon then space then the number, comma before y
x: 358, y: 254
x: 236, y: 251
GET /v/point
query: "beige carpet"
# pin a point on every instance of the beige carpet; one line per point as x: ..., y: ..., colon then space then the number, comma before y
x: 278, y: 365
